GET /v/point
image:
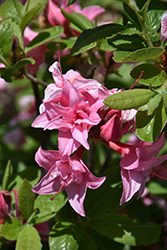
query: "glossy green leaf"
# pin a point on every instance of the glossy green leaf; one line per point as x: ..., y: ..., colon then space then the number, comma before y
x: 152, y: 74
x: 26, y: 199
x: 78, y: 19
x: 7, y: 74
x: 61, y: 238
x: 47, y: 207
x: 129, y: 99
x: 130, y: 12
x: 153, y: 103
x: 8, y: 9
x: 11, y: 228
x: 29, y: 15
x: 153, y: 22
x: 6, y: 37
x: 90, y: 36
x: 106, y: 199
x: 149, y: 127
x: 71, y: 2
x: 28, y: 239
x: 33, y: 3
x: 7, y: 175
x: 45, y: 36
x: 123, y: 230
x: 138, y: 55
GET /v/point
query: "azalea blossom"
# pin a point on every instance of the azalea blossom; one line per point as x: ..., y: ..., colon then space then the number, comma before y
x: 55, y: 17
x: 70, y: 105
x: 66, y: 173
x: 164, y: 25
x: 136, y: 164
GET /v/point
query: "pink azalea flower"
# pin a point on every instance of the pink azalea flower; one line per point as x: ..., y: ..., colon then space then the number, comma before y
x: 66, y: 173
x: 164, y: 25
x: 71, y: 108
x: 55, y: 17
x: 5, y: 205
x: 136, y: 164
x: 113, y: 119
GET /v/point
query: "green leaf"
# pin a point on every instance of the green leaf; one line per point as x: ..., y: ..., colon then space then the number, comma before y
x: 152, y: 74
x: 7, y: 74
x: 70, y: 2
x: 129, y: 99
x: 153, y: 22
x: 8, y: 9
x: 6, y: 38
x: 33, y: 3
x: 153, y: 103
x: 44, y: 36
x: 26, y: 199
x: 29, y: 15
x: 149, y: 127
x: 78, y: 19
x: 123, y: 230
x: 7, y: 175
x: 106, y: 199
x: 61, y: 238
x: 89, y: 37
x: 28, y: 239
x: 11, y: 228
x: 138, y: 55
x: 47, y: 207
x: 164, y: 95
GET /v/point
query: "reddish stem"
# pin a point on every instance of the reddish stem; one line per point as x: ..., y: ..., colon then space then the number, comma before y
x: 142, y: 72
x: 60, y: 189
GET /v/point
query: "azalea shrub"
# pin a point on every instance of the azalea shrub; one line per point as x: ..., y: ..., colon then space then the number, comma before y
x: 83, y: 112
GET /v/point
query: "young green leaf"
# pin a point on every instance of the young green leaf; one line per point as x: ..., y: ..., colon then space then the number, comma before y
x: 28, y: 239
x: 8, y: 9
x: 45, y: 36
x: 129, y: 99
x: 164, y: 95
x: 33, y: 3
x: 78, y: 19
x: 11, y: 228
x: 70, y: 2
x: 26, y: 199
x: 123, y: 230
x: 152, y: 74
x: 7, y: 175
x: 29, y: 15
x: 139, y: 55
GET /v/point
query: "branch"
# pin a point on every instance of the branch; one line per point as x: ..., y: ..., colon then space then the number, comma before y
x: 35, y: 80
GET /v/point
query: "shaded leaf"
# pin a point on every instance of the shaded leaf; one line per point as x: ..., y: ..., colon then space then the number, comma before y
x: 66, y: 43
x: 28, y: 239
x: 153, y: 103
x: 123, y: 230
x: 26, y: 199
x: 11, y: 228
x: 90, y: 36
x: 7, y: 74
x: 71, y: 2
x: 87, y: 243
x: 129, y: 99
x: 152, y: 74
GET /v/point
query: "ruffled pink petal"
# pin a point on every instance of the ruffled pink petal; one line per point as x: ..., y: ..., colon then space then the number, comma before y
x: 164, y: 25
x: 46, y: 159
x: 92, y: 12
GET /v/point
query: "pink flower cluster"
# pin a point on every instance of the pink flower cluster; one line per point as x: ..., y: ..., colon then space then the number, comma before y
x: 74, y: 106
